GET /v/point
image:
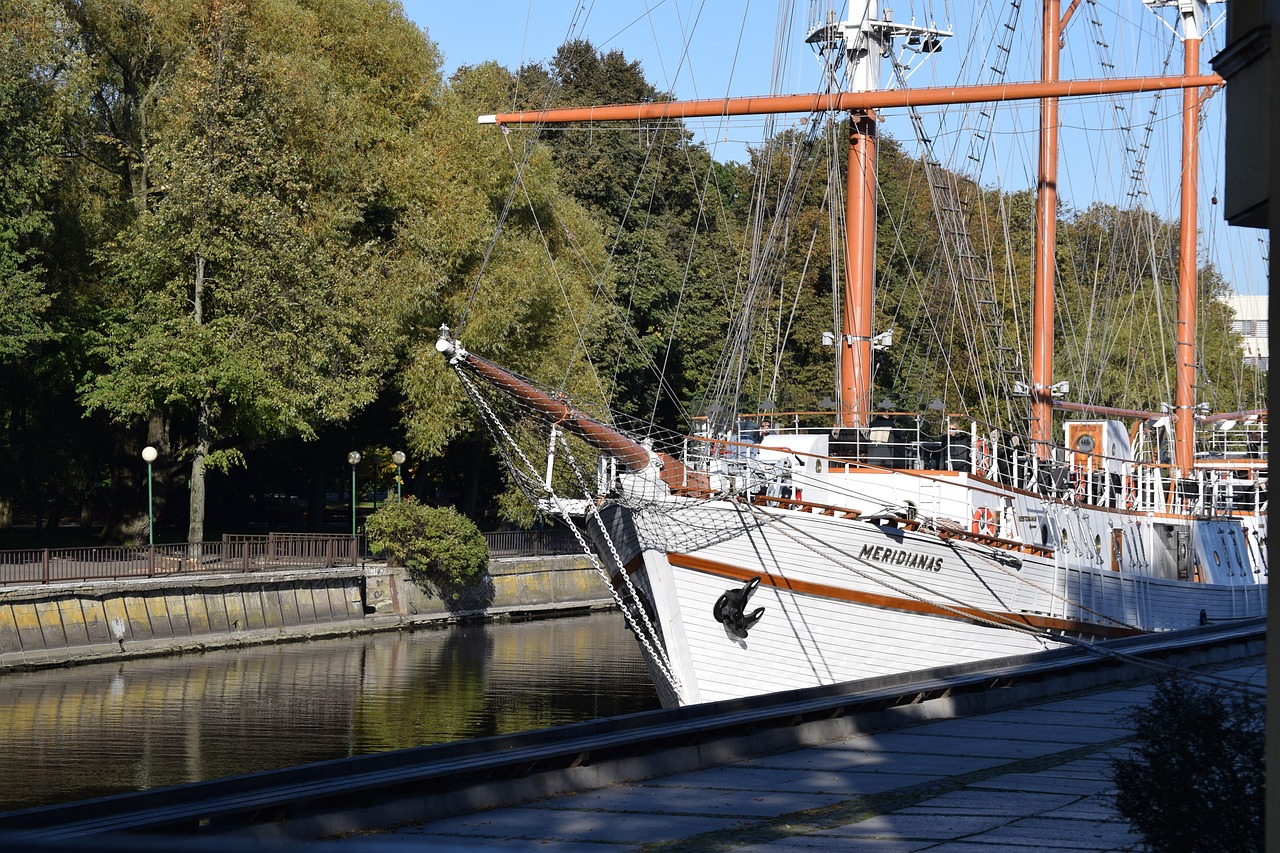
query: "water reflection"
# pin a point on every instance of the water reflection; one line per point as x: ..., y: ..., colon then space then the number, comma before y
x: 85, y: 731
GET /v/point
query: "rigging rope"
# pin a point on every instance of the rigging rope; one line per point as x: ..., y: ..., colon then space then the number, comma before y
x: 506, y: 444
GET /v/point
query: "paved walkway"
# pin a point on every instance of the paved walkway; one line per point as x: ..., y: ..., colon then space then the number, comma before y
x: 1030, y: 778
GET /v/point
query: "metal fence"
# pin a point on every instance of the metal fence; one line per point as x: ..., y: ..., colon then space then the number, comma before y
x: 531, y: 543
x: 235, y: 553
x: 231, y: 554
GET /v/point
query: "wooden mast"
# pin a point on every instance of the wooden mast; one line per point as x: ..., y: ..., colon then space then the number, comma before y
x: 1046, y: 237
x: 864, y: 41
x: 859, y: 272
x: 1184, y: 407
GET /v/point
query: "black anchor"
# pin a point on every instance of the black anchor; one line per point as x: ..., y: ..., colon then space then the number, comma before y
x: 730, y: 609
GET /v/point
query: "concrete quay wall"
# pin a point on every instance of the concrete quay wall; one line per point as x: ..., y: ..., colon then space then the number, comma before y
x: 513, y: 585
x: 55, y: 624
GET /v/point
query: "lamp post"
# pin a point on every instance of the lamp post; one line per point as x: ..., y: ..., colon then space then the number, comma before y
x: 354, y: 459
x: 398, y: 457
x: 149, y: 455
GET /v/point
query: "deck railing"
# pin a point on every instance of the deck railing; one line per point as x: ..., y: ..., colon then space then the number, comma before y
x: 1229, y: 478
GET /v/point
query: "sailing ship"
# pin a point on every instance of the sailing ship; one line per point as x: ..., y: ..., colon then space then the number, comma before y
x: 750, y: 558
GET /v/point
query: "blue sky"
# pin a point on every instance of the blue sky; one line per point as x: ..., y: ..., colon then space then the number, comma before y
x: 513, y: 32
x: 731, y: 46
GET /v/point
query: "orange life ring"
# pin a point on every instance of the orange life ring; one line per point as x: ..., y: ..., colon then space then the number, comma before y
x: 984, y: 521
x: 982, y: 457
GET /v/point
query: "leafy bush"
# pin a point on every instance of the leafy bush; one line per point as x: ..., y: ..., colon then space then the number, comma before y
x: 1196, y: 777
x: 440, y: 546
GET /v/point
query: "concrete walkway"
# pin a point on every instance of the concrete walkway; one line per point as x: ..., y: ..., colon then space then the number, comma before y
x: 1034, y: 777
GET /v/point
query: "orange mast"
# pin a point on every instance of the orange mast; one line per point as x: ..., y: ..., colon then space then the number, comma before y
x: 1184, y: 407
x: 859, y: 272
x: 1046, y: 237
x: 860, y: 43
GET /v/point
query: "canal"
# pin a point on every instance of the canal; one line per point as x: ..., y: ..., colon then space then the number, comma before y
x: 85, y: 731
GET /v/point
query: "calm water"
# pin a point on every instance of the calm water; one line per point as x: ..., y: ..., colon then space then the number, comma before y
x: 85, y: 731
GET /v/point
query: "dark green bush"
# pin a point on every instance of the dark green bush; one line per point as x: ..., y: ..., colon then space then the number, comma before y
x: 1195, y: 780
x: 440, y: 546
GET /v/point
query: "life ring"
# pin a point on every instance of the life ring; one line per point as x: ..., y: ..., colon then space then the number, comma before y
x: 982, y: 457
x: 984, y: 521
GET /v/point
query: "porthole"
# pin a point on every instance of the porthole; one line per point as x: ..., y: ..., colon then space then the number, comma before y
x: 1085, y: 443
x: 1217, y: 561
x: 817, y: 466
x: 1097, y: 545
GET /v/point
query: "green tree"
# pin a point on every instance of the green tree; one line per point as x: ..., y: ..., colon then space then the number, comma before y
x: 32, y: 55
x: 441, y: 547
x: 1196, y: 778
x: 51, y: 456
x: 501, y: 254
x: 665, y: 207
x: 254, y: 298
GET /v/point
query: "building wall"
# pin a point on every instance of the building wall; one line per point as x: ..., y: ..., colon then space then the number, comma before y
x: 1252, y: 324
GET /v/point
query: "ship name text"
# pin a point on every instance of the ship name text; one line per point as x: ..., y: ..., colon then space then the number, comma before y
x: 900, y: 557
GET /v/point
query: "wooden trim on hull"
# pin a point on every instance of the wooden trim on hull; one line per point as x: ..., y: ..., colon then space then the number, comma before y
x: 892, y: 602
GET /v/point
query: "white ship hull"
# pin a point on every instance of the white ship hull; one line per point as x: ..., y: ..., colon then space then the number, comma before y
x: 847, y: 598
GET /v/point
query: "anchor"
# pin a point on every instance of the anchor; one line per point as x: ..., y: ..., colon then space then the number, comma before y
x: 730, y: 609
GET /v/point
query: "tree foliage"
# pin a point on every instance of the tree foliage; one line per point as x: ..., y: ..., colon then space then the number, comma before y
x: 31, y: 62
x: 660, y: 201
x: 503, y: 256
x: 441, y: 547
x: 251, y: 300
x: 1196, y: 778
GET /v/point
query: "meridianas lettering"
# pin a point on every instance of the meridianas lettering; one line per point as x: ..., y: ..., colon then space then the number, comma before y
x: 900, y: 557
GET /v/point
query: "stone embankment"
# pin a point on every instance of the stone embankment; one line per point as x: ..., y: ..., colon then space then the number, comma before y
x: 54, y: 624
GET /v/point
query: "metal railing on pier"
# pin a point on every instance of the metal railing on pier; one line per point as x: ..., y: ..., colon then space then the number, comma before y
x: 531, y: 543
x: 236, y: 553
x: 242, y: 554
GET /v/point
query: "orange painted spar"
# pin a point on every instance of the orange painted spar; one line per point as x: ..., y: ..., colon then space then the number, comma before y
x: 859, y: 271
x: 1066, y: 16
x: 1184, y: 423
x: 1113, y: 411
x: 630, y: 453
x: 1235, y: 416
x: 843, y: 101
x: 1043, y: 274
x: 891, y: 602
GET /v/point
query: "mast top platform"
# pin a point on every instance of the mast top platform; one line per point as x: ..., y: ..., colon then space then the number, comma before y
x: 861, y: 42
